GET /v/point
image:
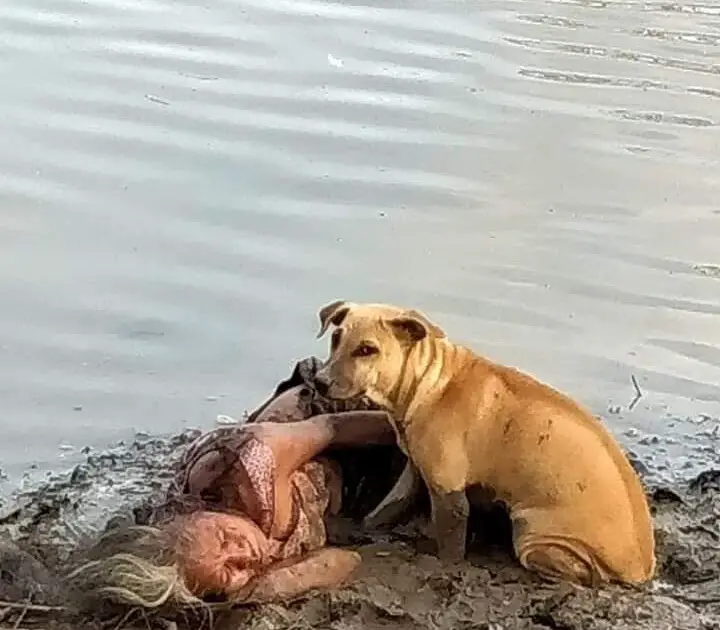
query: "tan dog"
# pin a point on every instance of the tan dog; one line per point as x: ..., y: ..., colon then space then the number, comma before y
x: 578, y: 509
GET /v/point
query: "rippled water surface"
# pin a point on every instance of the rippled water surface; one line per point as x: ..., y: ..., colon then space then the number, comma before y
x: 184, y: 184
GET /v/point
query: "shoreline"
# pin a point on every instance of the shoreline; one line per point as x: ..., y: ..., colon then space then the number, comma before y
x: 397, y: 586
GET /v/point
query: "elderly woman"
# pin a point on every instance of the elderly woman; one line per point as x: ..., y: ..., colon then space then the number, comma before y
x: 244, y: 519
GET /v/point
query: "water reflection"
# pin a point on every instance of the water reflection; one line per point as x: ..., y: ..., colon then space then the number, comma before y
x: 184, y: 185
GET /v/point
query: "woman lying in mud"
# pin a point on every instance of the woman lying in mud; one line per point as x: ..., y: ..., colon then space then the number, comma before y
x: 244, y: 519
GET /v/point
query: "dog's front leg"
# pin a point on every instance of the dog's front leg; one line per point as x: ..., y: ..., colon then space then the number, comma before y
x: 449, y: 521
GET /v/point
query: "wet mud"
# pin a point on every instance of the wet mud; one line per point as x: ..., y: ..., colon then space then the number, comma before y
x: 400, y: 584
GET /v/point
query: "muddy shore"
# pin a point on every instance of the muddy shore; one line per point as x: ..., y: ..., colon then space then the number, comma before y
x: 397, y: 587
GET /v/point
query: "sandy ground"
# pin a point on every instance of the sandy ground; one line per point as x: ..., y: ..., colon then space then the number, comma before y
x: 398, y: 585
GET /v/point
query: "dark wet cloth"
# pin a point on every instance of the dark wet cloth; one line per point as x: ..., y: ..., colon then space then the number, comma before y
x: 369, y: 473
x: 227, y: 470
x: 224, y: 487
x: 222, y: 504
x: 311, y: 402
x: 232, y: 471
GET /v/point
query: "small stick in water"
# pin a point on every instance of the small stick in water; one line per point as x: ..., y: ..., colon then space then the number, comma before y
x: 638, y: 393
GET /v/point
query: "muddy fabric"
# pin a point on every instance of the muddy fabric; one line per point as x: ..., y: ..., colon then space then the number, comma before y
x: 220, y: 552
x: 225, y: 470
x: 312, y: 402
x: 223, y: 490
x: 369, y: 473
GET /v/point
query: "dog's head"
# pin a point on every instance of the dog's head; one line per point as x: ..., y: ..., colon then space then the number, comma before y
x: 369, y: 348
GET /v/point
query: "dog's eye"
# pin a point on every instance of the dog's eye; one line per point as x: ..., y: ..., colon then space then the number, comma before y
x: 365, y: 350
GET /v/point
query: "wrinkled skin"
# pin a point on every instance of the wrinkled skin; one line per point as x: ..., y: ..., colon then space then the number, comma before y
x: 357, y: 349
x: 467, y: 422
x: 267, y: 491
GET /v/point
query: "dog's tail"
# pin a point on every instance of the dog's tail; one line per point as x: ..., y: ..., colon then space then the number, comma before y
x: 130, y: 567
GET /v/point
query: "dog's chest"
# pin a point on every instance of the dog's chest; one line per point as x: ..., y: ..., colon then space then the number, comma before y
x: 416, y: 438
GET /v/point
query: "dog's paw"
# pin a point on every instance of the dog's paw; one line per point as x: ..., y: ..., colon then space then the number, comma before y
x: 449, y: 558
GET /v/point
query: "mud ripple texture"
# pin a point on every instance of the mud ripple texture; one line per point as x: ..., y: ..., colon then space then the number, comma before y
x: 398, y: 586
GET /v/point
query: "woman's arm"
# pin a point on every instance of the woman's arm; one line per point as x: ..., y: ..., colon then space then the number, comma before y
x: 358, y: 428
x: 295, y: 443
x: 325, y: 568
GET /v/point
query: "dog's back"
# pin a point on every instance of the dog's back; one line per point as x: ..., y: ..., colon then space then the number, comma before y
x: 559, y: 447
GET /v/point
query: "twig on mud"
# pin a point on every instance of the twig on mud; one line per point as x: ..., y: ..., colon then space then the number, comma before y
x: 638, y: 393
x: 4, y: 612
x: 697, y: 600
x: 28, y: 607
x: 22, y: 614
x: 125, y: 618
x: 700, y: 528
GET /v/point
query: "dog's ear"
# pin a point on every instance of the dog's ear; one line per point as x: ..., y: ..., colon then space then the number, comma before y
x: 416, y: 326
x: 333, y: 313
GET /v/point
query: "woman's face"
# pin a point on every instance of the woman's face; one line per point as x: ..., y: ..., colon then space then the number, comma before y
x: 219, y: 553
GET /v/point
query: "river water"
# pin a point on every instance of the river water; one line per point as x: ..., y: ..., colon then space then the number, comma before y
x: 185, y: 183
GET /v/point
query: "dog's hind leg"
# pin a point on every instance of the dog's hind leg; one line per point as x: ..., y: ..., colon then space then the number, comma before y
x: 558, y: 558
